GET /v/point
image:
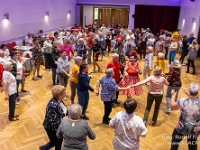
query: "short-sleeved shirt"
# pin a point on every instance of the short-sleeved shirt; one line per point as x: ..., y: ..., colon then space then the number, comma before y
x: 116, y: 68
x: 74, y: 77
x: 190, y: 114
x: 109, y: 86
x: 68, y: 49
x: 11, y: 82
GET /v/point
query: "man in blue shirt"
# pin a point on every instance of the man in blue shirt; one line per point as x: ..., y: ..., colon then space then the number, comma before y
x: 191, y: 38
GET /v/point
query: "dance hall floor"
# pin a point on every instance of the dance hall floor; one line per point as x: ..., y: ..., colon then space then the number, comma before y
x: 28, y: 133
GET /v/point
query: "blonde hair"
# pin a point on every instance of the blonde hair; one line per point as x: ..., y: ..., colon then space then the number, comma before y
x: 157, y: 71
x: 57, y: 90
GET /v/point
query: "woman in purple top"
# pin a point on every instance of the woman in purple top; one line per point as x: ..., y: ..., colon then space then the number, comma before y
x: 108, y: 92
x: 189, y: 121
x: 66, y: 46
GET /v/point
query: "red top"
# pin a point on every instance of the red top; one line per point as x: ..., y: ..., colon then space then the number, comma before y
x: 120, y: 36
x: 89, y: 42
x: 132, y: 71
x: 1, y: 72
x: 116, y: 68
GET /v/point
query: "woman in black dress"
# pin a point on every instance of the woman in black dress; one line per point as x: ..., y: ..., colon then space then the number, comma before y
x: 54, y: 58
x: 96, y: 47
x: 108, y: 41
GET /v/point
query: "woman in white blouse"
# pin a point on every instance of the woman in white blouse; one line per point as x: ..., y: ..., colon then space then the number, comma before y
x: 128, y: 128
x: 10, y: 89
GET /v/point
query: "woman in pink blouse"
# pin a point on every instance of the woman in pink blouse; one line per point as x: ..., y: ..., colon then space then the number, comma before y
x: 67, y: 47
x: 155, y: 93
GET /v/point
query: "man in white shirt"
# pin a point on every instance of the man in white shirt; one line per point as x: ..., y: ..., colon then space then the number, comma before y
x: 3, y: 57
x: 57, y: 40
x: 130, y: 40
x: 28, y: 39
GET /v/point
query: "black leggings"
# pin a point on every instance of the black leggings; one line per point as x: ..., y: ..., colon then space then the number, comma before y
x: 177, y: 137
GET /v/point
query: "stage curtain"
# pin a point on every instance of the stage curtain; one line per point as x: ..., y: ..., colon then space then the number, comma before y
x: 156, y: 17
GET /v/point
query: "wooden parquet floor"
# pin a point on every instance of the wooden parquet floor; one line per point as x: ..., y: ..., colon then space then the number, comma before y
x: 28, y: 133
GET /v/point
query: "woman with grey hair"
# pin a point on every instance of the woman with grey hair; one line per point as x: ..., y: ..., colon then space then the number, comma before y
x: 74, y: 77
x: 81, y: 49
x: 108, y: 92
x: 74, y: 131
x: 155, y: 93
x: 10, y: 89
x: 189, y: 121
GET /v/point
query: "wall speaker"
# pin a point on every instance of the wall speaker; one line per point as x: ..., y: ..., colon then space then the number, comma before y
x: 133, y: 15
x: 192, y: 0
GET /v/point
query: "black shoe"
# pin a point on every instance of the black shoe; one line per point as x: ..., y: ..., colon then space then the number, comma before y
x: 194, y: 73
x: 109, y: 119
x: 145, y: 123
x: 153, y: 123
x: 106, y: 122
x: 24, y: 90
x: 34, y: 79
x: 39, y: 76
x: 116, y: 102
x: 85, y: 117
x: 187, y: 71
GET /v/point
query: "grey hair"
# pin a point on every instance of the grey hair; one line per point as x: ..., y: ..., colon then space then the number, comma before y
x: 6, y: 65
x: 109, y: 72
x: 81, y: 39
x: 193, y: 89
x: 77, y: 59
x: 75, y: 111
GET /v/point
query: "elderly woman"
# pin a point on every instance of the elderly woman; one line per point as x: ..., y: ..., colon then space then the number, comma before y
x: 75, y: 131
x: 108, y: 92
x: 155, y: 93
x: 55, y: 112
x: 189, y: 124
x: 174, y: 79
x: 128, y: 127
x: 10, y: 89
x: 63, y: 67
x: 74, y: 77
x: 57, y: 40
x: 47, y: 46
x: 54, y: 61
x: 81, y: 49
x: 173, y: 47
x: 37, y: 58
x: 192, y: 55
x: 83, y: 87
x: 67, y: 47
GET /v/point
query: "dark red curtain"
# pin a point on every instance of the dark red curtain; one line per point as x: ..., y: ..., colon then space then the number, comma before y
x: 156, y: 17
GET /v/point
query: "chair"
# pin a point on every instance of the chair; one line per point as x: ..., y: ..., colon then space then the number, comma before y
x: 9, y: 46
x: 13, y: 44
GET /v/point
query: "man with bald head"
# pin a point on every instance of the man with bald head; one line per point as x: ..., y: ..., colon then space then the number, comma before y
x: 115, y: 65
x: 191, y: 38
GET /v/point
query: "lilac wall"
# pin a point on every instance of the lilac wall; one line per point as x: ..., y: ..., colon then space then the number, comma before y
x: 131, y: 4
x: 189, y: 10
x: 28, y: 16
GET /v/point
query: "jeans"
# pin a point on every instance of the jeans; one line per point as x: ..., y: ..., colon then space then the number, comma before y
x: 54, y: 74
x: 193, y: 66
x: 107, y: 110
x: 12, y: 101
x: 172, y: 55
x: 54, y: 141
x: 177, y: 137
x: 22, y: 82
x: 83, y: 98
x: 150, y: 100
x: 168, y: 96
x: 73, y: 87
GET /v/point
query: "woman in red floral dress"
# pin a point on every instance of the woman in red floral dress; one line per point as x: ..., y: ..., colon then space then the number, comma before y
x: 131, y: 76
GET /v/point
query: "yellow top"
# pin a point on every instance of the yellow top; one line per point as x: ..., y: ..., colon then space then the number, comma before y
x: 176, y: 35
x: 74, y: 77
x: 161, y: 63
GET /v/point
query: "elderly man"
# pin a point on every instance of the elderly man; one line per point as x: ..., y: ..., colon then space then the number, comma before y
x: 191, y: 38
x: 115, y: 65
x: 189, y: 120
x: 28, y: 39
x: 81, y: 49
x: 130, y: 39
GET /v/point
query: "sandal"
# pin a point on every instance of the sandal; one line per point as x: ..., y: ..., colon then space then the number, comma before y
x: 39, y: 76
x: 34, y: 79
x: 13, y: 119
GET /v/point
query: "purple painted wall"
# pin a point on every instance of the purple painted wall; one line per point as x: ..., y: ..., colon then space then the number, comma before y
x: 28, y: 16
x: 131, y: 4
x: 189, y: 18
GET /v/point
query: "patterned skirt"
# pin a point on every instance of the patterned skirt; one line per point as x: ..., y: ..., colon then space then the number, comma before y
x: 130, y: 80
